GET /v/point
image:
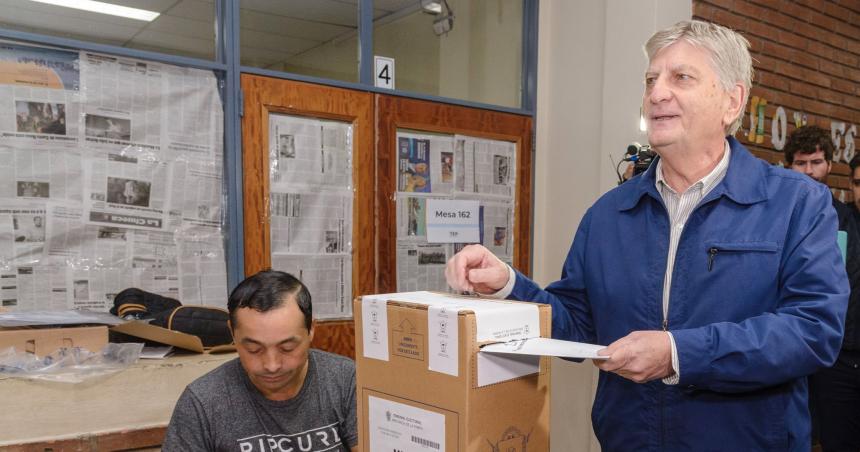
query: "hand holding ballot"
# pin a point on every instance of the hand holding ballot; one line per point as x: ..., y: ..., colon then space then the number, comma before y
x: 641, y: 356
x: 476, y: 269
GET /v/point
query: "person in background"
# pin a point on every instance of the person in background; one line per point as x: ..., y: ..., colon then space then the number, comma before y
x: 714, y: 276
x: 280, y: 394
x: 834, y: 392
x: 855, y: 186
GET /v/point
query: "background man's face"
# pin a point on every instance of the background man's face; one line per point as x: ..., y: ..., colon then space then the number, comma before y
x: 813, y: 165
x: 273, y: 348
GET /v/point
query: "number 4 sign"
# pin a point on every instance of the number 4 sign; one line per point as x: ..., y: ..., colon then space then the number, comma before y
x: 384, y: 72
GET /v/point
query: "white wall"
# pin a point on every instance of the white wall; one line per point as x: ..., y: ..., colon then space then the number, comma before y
x: 590, y: 67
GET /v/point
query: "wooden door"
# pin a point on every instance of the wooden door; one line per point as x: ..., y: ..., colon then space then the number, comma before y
x: 397, y: 113
x: 264, y: 97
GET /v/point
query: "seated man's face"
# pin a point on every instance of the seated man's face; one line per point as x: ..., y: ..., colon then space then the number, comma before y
x: 814, y: 165
x: 273, y: 348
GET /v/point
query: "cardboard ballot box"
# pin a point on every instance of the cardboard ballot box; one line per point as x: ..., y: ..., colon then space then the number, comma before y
x: 423, y: 385
x: 44, y: 341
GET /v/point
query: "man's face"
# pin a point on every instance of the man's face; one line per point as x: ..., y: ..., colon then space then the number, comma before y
x: 273, y: 348
x: 814, y: 165
x: 684, y: 103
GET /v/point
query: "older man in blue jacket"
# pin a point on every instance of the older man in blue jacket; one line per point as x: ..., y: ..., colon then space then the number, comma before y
x: 737, y: 292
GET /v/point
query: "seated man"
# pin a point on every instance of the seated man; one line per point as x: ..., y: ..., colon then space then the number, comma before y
x: 280, y: 394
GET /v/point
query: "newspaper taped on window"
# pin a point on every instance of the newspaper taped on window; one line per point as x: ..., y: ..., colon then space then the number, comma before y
x: 112, y: 178
x: 310, y: 208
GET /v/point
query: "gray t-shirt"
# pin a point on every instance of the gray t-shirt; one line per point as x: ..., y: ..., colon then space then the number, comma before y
x: 224, y: 411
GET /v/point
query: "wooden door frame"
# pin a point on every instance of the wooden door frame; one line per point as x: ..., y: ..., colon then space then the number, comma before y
x: 265, y: 95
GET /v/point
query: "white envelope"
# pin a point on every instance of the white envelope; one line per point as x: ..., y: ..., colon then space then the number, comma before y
x: 546, y: 347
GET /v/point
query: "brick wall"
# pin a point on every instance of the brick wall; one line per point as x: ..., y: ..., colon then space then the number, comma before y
x: 807, y: 60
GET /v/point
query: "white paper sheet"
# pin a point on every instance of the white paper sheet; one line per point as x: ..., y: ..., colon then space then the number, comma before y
x: 543, y: 346
x: 443, y: 333
x: 374, y: 324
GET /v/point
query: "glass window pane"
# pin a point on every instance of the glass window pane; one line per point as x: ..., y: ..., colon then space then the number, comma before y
x: 478, y: 58
x: 311, y: 197
x: 184, y: 27
x: 309, y: 37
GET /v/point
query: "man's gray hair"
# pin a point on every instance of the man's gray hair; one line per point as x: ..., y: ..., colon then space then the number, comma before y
x: 728, y: 50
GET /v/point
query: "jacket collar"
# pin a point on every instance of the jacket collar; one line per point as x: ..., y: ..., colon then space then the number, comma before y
x: 745, y: 181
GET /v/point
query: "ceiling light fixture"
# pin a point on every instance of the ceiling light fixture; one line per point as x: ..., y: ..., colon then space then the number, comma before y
x: 105, y: 8
x: 431, y: 6
x: 444, y: 21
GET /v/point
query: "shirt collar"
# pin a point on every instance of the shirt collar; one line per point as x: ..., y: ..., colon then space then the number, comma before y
x: 706, y: 183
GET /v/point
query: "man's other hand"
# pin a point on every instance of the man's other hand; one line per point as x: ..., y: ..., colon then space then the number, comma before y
x: 476, y: 269
x: 641, y: 356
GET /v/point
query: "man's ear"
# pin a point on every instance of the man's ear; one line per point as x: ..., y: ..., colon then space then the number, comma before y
x: 230, y: 327
x: 313, y: 328
x: 735, y: 107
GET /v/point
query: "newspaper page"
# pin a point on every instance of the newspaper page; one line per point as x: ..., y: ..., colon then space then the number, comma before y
x: 197, y: 196
x: 22, y: 235
x: 127, y: 189
x: 40, y: 174
x: 124, y: 101
x: 497, y: 229
x: 425, y: 163
x: 36, y: 287
x: 193, y: 116
x: 95, y: 288
x: 422, y: 266
x: 328, y: 278
x: 202, y: 267
x: 309, y: 152
x: 311, y: 223
x: 489, y: 166
x: 310, y: 208
x: 40, y: 94
x: 78, y: 244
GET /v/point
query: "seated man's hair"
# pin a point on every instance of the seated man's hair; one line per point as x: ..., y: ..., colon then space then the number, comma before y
x: 267, y: 290
x: 805, y: 140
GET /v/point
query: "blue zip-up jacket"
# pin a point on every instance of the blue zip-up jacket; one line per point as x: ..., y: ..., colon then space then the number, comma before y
x: 758, y: 300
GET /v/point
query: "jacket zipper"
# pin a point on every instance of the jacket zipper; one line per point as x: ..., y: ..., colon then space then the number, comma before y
x: 712, y: 253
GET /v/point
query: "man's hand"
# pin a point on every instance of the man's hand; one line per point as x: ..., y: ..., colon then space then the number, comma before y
x: 641, y: 356
x: 476, y: 269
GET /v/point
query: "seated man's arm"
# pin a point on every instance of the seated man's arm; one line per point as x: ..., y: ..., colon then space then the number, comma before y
x: 189, y: 427
x: 804, y: 331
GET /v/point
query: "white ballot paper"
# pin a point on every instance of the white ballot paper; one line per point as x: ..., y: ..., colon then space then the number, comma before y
x: 546, y: 347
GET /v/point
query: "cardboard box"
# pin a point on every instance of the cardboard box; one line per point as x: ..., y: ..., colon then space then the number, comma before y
x: 403, y: 405
x: 42, y: 341
x: 188, y: 342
